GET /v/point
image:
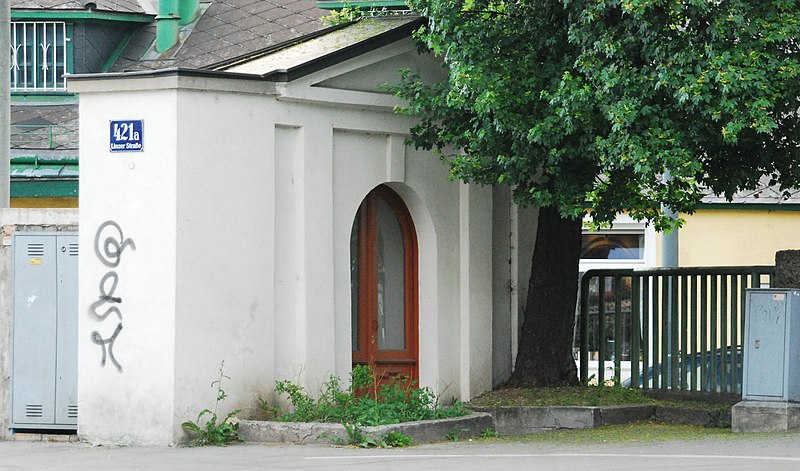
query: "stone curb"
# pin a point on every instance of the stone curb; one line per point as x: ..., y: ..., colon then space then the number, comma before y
x: 701, y: 417
x: 522, y: 420
x: 512, y: 420
x: 324, y: 433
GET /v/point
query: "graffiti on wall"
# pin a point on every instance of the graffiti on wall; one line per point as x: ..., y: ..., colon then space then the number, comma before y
x: 109, y: 244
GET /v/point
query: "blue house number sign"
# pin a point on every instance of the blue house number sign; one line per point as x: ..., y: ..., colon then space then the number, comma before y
x: 126, y: 136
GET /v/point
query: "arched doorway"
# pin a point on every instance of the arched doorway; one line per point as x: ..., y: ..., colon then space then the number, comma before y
x: 383, y: 283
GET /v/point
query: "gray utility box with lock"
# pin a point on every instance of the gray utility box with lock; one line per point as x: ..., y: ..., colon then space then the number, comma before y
x: 772, y: 346
x: 45, y: 331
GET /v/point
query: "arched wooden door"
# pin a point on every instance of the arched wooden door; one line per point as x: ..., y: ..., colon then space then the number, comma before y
x: 383, y: 280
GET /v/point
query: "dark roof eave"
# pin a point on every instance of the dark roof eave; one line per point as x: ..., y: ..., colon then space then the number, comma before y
x: 169, y: 72
x: 730, y: 205
x: 87, y: 15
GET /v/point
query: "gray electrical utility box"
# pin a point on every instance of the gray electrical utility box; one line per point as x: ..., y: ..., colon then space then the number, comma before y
x: 772, y: 345
x: 45, y: 331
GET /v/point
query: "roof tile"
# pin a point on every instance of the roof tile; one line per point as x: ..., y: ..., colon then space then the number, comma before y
x: 120, y: 6
x: 228, y: 28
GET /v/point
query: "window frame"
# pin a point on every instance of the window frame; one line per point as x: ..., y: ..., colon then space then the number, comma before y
x: 624, y: 224
x: 60, y: 61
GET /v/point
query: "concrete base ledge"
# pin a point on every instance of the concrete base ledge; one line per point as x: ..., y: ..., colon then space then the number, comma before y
x: 510, y: 420
x: 701, y: 417
x: 323, y: 433
x: 765, y: 416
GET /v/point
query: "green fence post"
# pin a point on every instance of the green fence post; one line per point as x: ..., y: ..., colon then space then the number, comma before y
x: 618, y: 337
x: 724, y: 320
x: 635, y: 353
x: 714, y: 300
x: 674, y: 333
x: 656, y: 342
x: 666, y: 319
x: 646, y: 341
x: 584, y: 329
x: 601, y: 314
x: 693, y: 340
x: 685, y: 330
x: 735, y: 320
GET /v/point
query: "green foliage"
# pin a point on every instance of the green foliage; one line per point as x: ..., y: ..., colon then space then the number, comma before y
x: 456, y: 433
x: 365, y: 402
x: 344, y: 15
x: 211, y: 432
x: 356, y: 437
x: 350, y: 13
x: 569, y: 102
x: 397, y: 440
x: 267, y: 410
x: 489, y: 433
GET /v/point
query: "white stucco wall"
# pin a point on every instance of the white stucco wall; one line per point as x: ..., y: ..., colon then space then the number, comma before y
x: 224, y: 233
x: 137, y: 191
x: 240, y: 208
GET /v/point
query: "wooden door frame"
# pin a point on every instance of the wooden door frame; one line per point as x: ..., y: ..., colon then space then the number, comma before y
x: 407, y: 359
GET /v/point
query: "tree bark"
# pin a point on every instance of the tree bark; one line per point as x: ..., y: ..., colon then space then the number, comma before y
x: 545, y: 357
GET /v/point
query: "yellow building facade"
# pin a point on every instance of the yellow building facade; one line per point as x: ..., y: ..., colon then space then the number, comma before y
x: 738, y: 234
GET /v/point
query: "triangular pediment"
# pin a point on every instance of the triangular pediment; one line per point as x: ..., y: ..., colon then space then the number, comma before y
x: 375, y: 77
x: 349, y: 64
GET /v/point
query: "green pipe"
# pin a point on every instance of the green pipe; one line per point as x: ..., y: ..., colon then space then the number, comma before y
x: 167, y: 25
x: 188, y: 9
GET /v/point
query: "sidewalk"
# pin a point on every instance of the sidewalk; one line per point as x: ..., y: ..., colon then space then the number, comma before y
x: 740, y: 452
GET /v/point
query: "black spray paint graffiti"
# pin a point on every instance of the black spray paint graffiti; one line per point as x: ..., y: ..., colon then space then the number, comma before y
x: 109, y: 243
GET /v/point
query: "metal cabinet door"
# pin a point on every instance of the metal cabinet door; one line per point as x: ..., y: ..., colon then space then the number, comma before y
x: 765, y: 348
x: 34, y: 354
x: 66, y: 407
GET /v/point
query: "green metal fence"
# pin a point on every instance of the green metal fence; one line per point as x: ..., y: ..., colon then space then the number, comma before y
x: 667, y: 328
x: 44, y: 136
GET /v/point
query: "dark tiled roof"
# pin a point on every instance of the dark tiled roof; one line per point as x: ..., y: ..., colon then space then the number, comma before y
x: 121, y: 6
x: 229, y: 28
x: 52, y: 127
x: 763, y: 194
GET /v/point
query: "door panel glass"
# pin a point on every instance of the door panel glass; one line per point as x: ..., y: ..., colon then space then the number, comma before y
x: 391, y: 279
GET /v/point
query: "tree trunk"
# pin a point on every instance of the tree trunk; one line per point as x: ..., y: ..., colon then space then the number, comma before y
x: 545, y: 357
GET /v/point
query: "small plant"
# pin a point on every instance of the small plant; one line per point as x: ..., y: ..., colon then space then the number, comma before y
x: 267, y: 410
x: 211, y: 432
x: 456, y: 433
x: 489, y: 433
x: 346, y: 14
x: 354, y: 434
x: 397, y: 440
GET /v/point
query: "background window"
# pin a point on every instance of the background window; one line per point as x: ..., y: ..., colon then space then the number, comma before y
x: 614, y: 246
x: 38, y: 56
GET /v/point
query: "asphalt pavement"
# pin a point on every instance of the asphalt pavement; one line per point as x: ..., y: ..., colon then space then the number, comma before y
x: 741, y: 452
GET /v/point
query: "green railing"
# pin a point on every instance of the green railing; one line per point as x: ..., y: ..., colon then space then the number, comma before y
x: 43, y: 136
x: 668, y: 328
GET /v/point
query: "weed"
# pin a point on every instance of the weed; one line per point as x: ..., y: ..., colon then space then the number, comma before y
x: 267, y: 410
x: 456, y: 433
x: 211, y: 432
x: 367, y: 401
x: 354, y: 434
x: 489, y: 433
x: 397, y: 440
x: 350, y: 12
